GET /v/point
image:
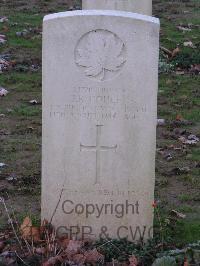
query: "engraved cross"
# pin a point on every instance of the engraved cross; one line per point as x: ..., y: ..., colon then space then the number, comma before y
x: 98, y: 148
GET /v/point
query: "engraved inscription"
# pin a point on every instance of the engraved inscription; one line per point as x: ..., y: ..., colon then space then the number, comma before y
x: 98, y: 104
x: 103, y: 192
x: 101, y: 54
x: 98, y: 148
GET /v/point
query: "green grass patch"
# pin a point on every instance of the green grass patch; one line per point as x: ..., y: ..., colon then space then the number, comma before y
x: 186, y: 209
x: 30, y: 18
x: 185, y: 197
x: 191, y: 115
x: 187, y: 231
x: 26, y: 111
x: 22, y: 82
x: 195, y: 154
x: 193, y: 178
x: 181, y: 96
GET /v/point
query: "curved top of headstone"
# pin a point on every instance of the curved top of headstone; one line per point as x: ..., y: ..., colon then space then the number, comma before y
x: 102, y: 13
x: 135, y: 6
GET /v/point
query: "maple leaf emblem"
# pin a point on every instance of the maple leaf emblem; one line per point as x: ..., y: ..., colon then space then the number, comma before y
x: 100, y: 52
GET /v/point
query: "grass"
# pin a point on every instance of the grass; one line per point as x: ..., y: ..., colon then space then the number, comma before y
x: 191, y: 115
x: 181, y: 97
x: 192, y: 178
x: 187, y: 232
x: 195, y: 154
x: 187, y: 209
x: 26, y: 111
x: 189, y: 197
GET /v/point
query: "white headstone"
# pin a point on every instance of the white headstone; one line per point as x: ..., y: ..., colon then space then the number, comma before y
x: 135, y: 6
x: 100, y: 79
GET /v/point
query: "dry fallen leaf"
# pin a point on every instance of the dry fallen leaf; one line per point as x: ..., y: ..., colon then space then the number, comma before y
x: 2, y: 165
x: 74, y: 246
x: 179, y: 118
x: 5, y: 29
x: 160, y: 122
x: 40, y: 251
x: 53, y: 261
x: 93, y: 256
x: 33, y: 102
x: 3, y: 19
x: 3, y: 65
x: 29, y: 232
x: 116, y: 263
x: 195, y: 69
x: 183, y: 28
x: 133, y: 261
x: 167, y: 51
x: 2, y: 245
x: 189, y: 44
x: 178, y: 214
x: 175, y: 52
x: 35, y: 234
x: 2, y: 39
x: 190, y: 140
x: 179, y: 72
x: 25, y: 228
x: 79, y: 259
x: 193, y: 137
x: 179, y: 171
x: 3, y: 92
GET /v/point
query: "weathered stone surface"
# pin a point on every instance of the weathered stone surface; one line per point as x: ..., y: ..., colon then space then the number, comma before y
x: 100, y: 78
x: 136, y: 6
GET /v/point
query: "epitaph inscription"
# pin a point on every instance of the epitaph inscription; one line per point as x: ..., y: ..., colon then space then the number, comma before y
x: 98, y: 149
x: 101, y: 54
x: 98, y: 104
